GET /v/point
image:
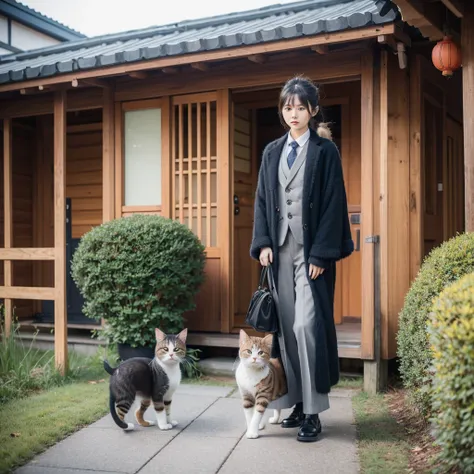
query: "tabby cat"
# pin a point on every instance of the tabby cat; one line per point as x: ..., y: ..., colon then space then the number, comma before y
x: 148, y: 380
x: 260, y: 379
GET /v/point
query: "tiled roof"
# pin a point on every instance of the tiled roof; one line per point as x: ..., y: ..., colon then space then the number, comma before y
x: 277, y: 22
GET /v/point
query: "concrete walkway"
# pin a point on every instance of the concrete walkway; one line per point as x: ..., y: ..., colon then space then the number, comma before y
x: 209, y: 439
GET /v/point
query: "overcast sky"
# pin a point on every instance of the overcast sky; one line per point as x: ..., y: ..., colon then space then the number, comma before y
x: 98, y: 17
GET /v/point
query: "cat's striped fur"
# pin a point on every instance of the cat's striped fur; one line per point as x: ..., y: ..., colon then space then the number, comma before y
x: 148, y: 380
x: 261, y: 380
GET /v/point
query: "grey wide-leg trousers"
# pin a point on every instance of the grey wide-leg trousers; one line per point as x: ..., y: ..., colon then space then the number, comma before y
x: 297, y: 321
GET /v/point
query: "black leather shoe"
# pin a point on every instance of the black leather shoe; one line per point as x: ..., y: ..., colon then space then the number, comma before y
x: 295, y: 419
x: 310, y: 429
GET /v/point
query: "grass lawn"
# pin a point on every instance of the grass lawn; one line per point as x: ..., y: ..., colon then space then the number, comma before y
x: 32, y: 424
x: 383, y: 443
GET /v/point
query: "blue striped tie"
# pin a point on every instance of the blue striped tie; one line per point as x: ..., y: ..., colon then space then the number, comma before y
x: 292, y: 155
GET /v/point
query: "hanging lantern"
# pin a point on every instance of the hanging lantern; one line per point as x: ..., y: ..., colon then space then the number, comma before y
x: 446, y: 56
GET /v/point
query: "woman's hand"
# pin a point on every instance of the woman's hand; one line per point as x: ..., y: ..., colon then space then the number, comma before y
x: 266, y: 256
x: 314, y: 271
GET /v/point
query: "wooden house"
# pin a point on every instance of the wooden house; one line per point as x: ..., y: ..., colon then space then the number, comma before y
x: 172, y: 120
x: 22, y: 29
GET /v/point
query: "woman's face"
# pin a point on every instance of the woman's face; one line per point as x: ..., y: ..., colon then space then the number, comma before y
x: 296, y: 115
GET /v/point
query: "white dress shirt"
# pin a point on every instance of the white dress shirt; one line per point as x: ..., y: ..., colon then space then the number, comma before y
x: 301, y: 142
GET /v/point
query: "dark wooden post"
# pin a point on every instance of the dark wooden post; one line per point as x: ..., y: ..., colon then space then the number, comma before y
x: 467, y: 47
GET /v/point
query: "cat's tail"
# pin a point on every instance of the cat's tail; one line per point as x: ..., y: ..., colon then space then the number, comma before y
x: 113, y: 412
x: 109, y: 369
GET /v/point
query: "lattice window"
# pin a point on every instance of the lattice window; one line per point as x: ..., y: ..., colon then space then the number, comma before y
x: 194, y: 165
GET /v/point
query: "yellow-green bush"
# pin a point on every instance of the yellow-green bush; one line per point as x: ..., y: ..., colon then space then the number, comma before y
x: 443, y: 266
x: 451, y: 335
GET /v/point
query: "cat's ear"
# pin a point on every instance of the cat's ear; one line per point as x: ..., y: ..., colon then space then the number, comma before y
x: 268, y: 340
x: 183, y: 335
x: 160, y: 335
x: 244, y: 337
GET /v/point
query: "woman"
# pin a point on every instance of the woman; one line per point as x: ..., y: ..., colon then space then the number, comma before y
x: 301, y: 227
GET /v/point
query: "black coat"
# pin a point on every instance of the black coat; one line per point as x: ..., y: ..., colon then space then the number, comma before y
x: 327, y: 236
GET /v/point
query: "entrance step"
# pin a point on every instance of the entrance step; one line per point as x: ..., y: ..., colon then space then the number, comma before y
x: 219, y: 366
x: 78, y: 341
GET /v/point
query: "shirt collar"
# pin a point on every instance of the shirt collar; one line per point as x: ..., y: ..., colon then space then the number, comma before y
x: 301, y: 140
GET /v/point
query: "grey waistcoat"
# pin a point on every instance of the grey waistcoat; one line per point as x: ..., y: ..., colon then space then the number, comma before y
x: 290, y: 195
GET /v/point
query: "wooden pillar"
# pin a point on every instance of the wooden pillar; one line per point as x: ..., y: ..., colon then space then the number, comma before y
x: 108, y: 155
x: 224, y: 196
x: 367, y: 205
x: 166, y: 158
x: 60, y: 303
x: 467, y: 47
x: 8, y: 216
x: 416, y: 210
x: 394, y: 198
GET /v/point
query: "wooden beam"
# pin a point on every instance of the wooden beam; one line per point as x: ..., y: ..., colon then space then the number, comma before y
x: 27, y: 254
x: 8, y: 218
x: 108, y: 156
x: 331, y: 67
x: 321, y: 49
x: 467, y: 47
x: 78, y: 99
x: 367, y: 205
x: 455, y: 6
x: 95, y: 83
x: 139, y: 75
x: 258, y: 58
x: 423, y: 16
x: 224, y: 192
x: 238, y: 52
x: 26, y: 293
x: 60, y: 302
x: 170, y: 70
x: 85, y: 127
x: 201, y: 66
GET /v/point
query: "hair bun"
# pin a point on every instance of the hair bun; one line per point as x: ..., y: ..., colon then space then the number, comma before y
x: 324, y: 131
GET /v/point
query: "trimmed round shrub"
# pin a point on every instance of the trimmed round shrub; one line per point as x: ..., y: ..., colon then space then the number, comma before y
x: 451, y: 334
x: 444, y: 265
x: 139, y: 273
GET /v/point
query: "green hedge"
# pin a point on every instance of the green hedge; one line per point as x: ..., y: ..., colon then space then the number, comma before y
x: 451, y: 334
x: 139, y: 273
x: 444, y: 265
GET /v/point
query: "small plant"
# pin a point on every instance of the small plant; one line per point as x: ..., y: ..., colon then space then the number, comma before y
x: 443, y: 266
x: 139, y: 273
x: 451, y: 333
x: 189, y: 367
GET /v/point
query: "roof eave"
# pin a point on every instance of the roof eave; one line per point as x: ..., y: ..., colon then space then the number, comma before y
x: 208, y: 56
x: 39, y: 23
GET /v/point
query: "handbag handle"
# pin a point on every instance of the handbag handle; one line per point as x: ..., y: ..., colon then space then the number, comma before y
x: 266, y: 274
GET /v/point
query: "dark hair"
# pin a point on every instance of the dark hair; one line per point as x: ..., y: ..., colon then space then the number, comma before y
x: 308, y: 94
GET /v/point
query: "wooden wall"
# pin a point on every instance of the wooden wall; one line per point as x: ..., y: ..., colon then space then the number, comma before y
x: 24, y: 148
x: 84, y: 176
x: 83, y: 185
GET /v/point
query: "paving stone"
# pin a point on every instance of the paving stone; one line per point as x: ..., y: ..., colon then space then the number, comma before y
x: 277, y: 450
x: 96, y: 448
x: 224, y: 419
x: 191, y: 454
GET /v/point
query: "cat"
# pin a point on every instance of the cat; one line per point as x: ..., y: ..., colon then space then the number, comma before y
x: 148, y: 380
x: 260, y: 379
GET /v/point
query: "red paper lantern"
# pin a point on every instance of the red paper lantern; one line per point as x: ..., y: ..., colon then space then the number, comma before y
x: 446, y: 56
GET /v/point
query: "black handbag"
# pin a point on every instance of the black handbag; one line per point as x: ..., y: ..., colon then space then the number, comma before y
x: 262, y: 311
